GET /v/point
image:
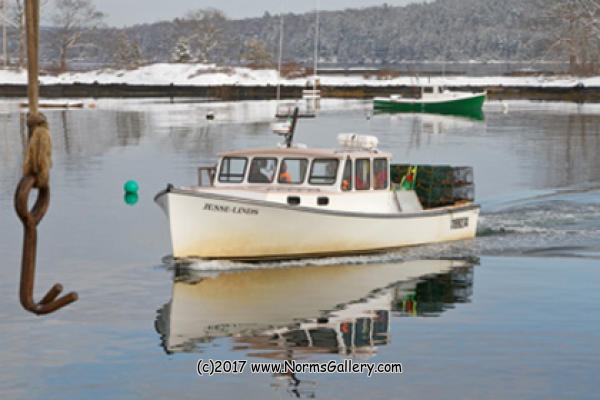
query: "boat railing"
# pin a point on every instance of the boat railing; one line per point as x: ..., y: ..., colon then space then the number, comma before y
x: 278, y: 188
x: 209, y: 173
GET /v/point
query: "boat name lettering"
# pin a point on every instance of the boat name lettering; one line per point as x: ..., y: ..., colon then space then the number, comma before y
x: 228, y: 209
x: 459, y: 223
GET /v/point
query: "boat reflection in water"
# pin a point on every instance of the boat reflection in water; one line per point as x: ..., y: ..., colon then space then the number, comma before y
x: 286, y: 312
x: 472, y: 115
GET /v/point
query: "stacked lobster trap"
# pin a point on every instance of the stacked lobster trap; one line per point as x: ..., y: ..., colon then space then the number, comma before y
x: 435, y: 185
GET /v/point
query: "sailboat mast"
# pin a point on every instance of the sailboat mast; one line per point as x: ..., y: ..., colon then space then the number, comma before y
x: 4, y: 54
x: 316, y: 45
x: 280, y: 51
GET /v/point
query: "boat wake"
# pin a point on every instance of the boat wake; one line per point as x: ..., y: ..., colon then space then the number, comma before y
x: 451, y: 250
x: 559, y: 223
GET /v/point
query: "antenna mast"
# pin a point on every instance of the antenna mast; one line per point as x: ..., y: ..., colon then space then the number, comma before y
x: 316, y: 45
x: 280, y: 51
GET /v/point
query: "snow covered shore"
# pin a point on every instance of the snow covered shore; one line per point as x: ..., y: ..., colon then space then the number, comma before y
x: 212, y: 75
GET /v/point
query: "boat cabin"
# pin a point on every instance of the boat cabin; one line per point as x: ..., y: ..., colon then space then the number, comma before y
x: 356, y: 166
x: 355, y: 177
x: 350, y: 335
x: 422, y: 92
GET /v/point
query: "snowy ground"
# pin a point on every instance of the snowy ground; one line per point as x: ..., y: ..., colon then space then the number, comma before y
x: 210, y: 75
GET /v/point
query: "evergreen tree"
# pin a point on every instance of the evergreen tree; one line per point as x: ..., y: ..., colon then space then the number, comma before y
x: 181, y: 53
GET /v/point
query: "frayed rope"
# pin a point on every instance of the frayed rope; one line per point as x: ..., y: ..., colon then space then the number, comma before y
x: 38, y: 156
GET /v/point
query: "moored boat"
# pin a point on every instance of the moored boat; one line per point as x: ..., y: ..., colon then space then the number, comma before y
x: 291, y: 201
x: 435, y: 100
x: 54, y: 105
x: 312, y: 89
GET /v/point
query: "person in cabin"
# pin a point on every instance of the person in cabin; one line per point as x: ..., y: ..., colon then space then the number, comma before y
x: 381, y: 179
x: 347, y: 176
x: 359, y: 180
x: 256, y: 175
x: 284, y: 175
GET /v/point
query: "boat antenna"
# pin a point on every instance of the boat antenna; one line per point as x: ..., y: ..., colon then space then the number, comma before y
x: 280, y: 54
x: 290, y: 135
x: 316, y: 56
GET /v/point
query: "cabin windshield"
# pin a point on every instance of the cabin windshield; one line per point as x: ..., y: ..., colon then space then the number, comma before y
x: 363, y: 332
x: 347, y: 176
x: 380, y: 174
x: 380, y: 326
x: 297, y: 337
x: 262, y: 170
x: 347, y: 330
x: 232, y: 169
x: 323, y: 337
x: 323, y: 171
x: 293, y: 170
x: 363, y: 174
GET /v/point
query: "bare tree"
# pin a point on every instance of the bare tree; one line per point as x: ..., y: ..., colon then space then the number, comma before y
x: 574, y: 29
x: 20, y: 16
x: 127, y: 53
x: 205, y: 28
x: 257, y: 54
x: 71, y: 19
x: 18, y: 20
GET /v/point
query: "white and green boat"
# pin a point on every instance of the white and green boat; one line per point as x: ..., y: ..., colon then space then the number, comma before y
x: 433, y: 100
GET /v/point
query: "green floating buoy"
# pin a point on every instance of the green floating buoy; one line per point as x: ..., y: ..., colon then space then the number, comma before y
x: 131, y: 187
x: 131, y: 198
x: 131, y: 195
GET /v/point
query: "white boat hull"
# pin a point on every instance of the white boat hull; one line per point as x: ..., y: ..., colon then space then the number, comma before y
x: 207, y: 225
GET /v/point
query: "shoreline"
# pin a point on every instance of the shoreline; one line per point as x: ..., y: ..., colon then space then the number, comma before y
x: 266, y: 92
x: 218, y: 82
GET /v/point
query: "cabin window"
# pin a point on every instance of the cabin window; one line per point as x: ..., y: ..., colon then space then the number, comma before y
x: 347, y: 176
x: 324, y: 337
x: 262, y: 170
x: 347, y: 329
x: 362, y: 336
x: 232, y: 169
x: 380, y: 325
x: 380, y: 173
x: 363, y: 174
x: 296, y: 338
x: 293, y: 170
x: 323, y: 171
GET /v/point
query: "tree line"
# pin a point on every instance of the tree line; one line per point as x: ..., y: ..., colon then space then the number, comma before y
x: 442, y: 30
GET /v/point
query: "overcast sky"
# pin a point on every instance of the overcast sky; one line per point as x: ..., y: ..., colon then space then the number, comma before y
x: 129, y: 12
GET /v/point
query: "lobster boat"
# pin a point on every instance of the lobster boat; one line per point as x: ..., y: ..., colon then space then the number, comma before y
x: 291, y: 201
x: 433, y: 99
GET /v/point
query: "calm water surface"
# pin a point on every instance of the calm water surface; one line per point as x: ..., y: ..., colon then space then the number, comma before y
x: 511, y: 314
